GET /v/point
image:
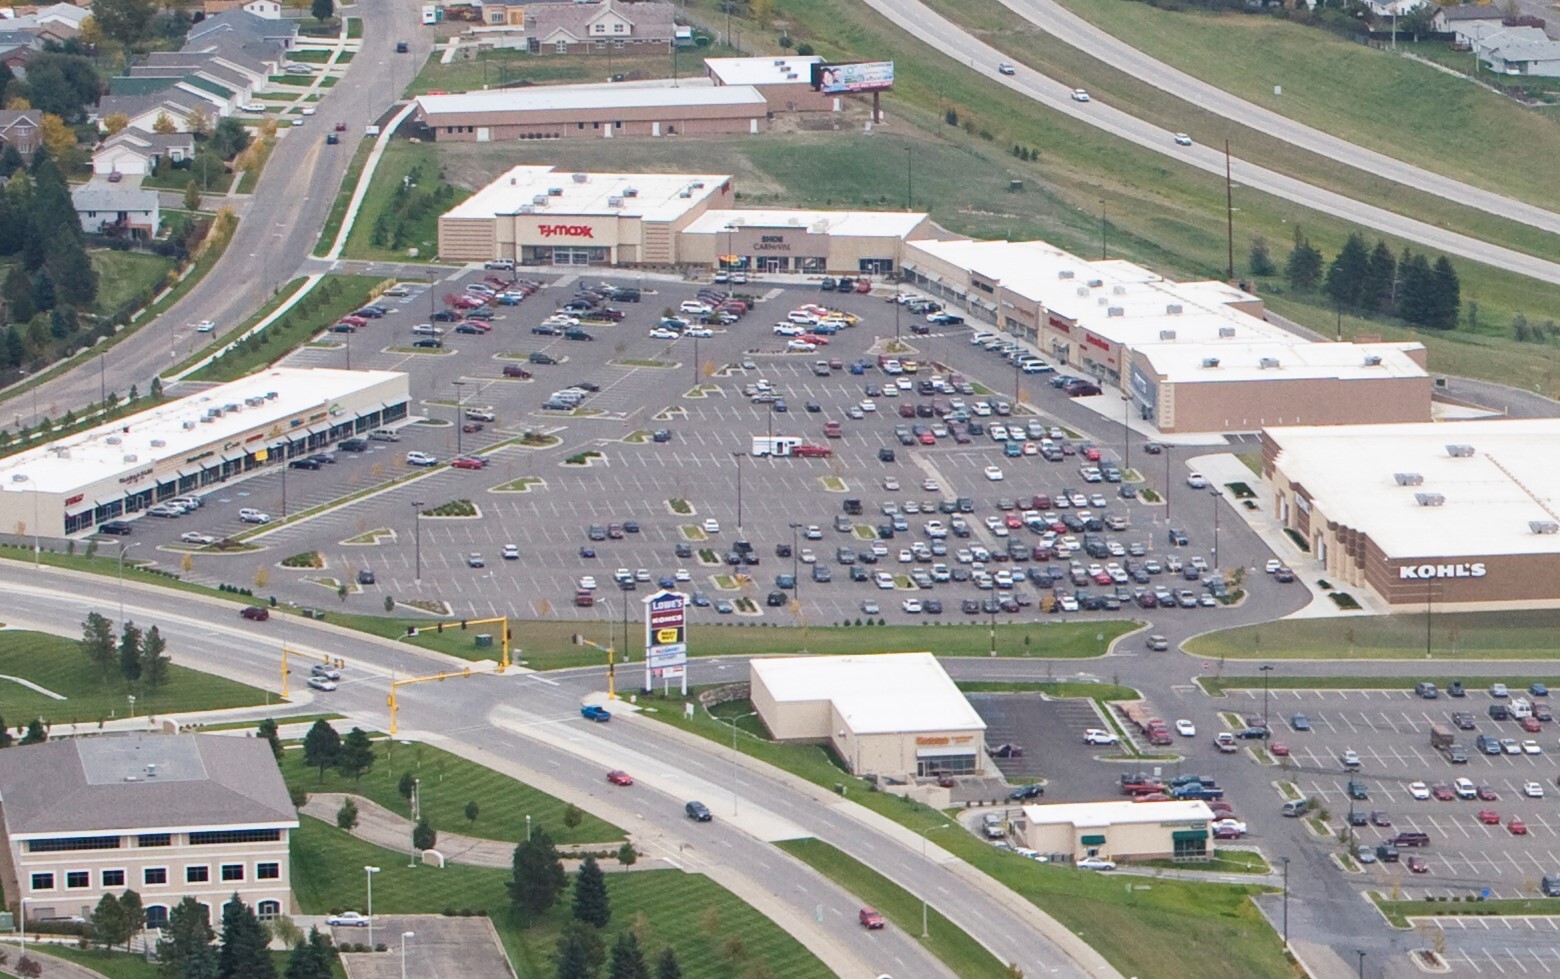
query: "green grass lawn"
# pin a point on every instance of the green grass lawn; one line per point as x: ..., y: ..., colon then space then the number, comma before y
x: 124, y: 275
x: 327, y: 874
x: 1513, y: 634
x: 1223, y: 862
x: 961, y: 953
x: 315, y: 56
x: 448, y: 783
x: 316, y: 311
x: 421, y: 233
x: 338, y: 207
x: 1214, y: 928
x: 58, y: 664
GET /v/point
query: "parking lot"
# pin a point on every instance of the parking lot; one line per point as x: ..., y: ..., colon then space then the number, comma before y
x: 1390, y: 732
x: 695, y: 390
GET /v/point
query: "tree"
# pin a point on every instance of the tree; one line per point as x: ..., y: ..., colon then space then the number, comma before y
x: 64, y: 84
x: 1260, y: 263
x: 18, y: 293
x: 356, y: 756
x: 188, y: 931
x: 406, y: 786
x: 322, y: 10
x: 309, y: 960
x: 130, y: 652
x: 244, y: 942
x: 591, y: 904
x: 115, y: 123
x: 191, y: 195
x: 154, y: 659
x: 573, y: 815
x: 97, y: 642
x: 539, y: 877
x: 573, y: 962
x: 1304, y: 267
x: 134, y: 913
x: 198, y: 121
x: 666, y: 966
x: 471, y: 808
x: 164, y: 125
x: 1445, y: 295
x: 267, y: 730
x: 36, y: 734
x: 628, y: 960
x: 110, y: 925
x: 58, y: 137
x: 1346, y: 275
x: 347, y: 815
x: 125, y: 21
x: 321, y: 746
x: 202, y: 964
x: 424, y: 836
x: 1414, y: 288
x: 1380, y: 277
x: 229, y: 138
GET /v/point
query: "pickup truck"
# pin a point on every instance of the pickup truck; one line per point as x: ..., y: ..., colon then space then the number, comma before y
x: 593, y: 712
x: 1226, y: 742
x: 1144, y: 787
x: 1197, y: 791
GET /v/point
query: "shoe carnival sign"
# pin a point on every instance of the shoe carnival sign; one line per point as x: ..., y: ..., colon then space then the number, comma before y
x: 1428, y: 571
x: 567, y: 231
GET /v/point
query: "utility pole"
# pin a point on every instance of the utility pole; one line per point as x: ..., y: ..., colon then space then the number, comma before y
x: 1229, y: 213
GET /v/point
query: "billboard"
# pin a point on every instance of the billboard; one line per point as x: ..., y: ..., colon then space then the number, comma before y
x: 666, y: 645
x: 866, y: 76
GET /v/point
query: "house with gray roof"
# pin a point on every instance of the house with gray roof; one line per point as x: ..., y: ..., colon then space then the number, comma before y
x: 1519, y: 51
x: 581, y: 28
x: 144, y: 108
x: 21, y: 129
x: 244, y: 26
x: 116, y: 205
x: 1458, y: 20
x: 134, y: 152
x: 171, y: 816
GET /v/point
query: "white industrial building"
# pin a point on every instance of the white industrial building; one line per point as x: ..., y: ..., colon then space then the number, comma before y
x: 1120, y: 829
x: 117, y: 470
x: 887, y: 714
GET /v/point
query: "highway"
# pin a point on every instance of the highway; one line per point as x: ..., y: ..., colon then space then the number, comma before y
x: 958, y: 44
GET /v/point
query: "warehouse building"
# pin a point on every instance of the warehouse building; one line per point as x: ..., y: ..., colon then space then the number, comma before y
x: 538, y: 216
x: 1120, y: 830
x: 590, y: 112
x: 202, y: 816
x: 1457, y: 513
x: 892, y: 714
x: 784, y: 82
x: 117, y: 470
x: 854, y: 242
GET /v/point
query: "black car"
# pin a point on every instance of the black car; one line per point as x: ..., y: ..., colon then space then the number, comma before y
x: 470, y: 330
x: 575, y: 333
x: 1034, y: 791
x: 401, y: 48
x: 631, y: 526
x: 683, y: 550
x: 1252, y: 733
x: 969, y: 606
x: 118, y: 528
x: 365, y: 577
x: 698, y: 812
x: 546, y: 331
x: 428, y: 343
x: 354, y: 445
x: 586, y: 551
x: 662, y: 435
x: 776, y: 599
x: 885, y: 454
x: 446, y: 316
x: 933, y: 606
x: 304, y: 464
x: 1455, y: 689
x: 540, y: 358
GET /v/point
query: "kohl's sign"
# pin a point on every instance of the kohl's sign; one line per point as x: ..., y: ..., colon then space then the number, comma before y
x: 1412, y: 572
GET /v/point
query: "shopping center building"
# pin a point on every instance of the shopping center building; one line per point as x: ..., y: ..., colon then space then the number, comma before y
x: 1454, y: 513
x: 117, y: 470
x: 544, y: 112
x: 813, y: 242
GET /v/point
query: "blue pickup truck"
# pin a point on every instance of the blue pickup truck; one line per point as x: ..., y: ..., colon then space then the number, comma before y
x: 592, y: 712
x: 1197, y: 790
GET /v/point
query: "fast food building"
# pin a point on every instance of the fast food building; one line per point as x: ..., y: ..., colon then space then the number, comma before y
x: 115, y: 471
x: 1454, y: 513
x: 888, y: 714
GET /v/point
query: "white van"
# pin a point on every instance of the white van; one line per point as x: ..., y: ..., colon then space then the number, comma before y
x: 1520, y: 708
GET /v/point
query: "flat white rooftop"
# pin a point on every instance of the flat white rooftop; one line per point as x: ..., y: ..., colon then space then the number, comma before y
x: 886, y: 693
x: 1350, y: 471
x: 1285, y: 359
x: 568, y: 98
x: 1037, y: 270
x: 1117, y: 812
x: 862, y: 224
x: 795, y: 70
x: 652, y: 196
x: 132, y: 444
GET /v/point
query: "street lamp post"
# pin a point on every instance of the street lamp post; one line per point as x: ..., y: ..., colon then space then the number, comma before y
x: 417, y: 506
x: 1266, y: 668
x: 1215, y: 494
x: 368, y: 874
x: 734, y: 721
x: 738, y: 456
x: 1126, y: 434
x: 796, y: 580
x: 460, y: 404
x: 1286, y: 902
x: 1167, y: 484
x: 122, y: 549
x: 924, y: 833
x: 528, y: 827
x: 404, y: 936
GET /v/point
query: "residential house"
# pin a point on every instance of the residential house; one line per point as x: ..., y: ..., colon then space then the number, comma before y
x: 169, y: 816
x: 58, y: 22
x: 226, y: 63
x: 143, y: 110
x: 1393, y: 8
x: 17, y: 49
x: 580, y: 28
x: 225, y: 88
x: 137, y: 153
x: 21, y: 129
x: 1519, y: 51
x: 269, y: 9
x: 1458, y: 21
x: 244, y: 26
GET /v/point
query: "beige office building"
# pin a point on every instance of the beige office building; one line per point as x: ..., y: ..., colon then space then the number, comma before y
x: 168, y: 816
x: 1120, y: 830
x: 888, y: 714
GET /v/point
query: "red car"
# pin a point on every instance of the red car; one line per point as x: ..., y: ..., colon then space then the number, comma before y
x: 620, y: 778
x: 927, y: 438
x: 806, y: 450
x: 1417, y: 865
x: 1014, y: 521
x: 1517, y: 827
x: 870, y: 919
x: 469, y: 462
x: 354, y: 320
x: 1531, y: 725
x: 1443, y: 792
x: 255, y: 613
x: 1278, y: 749
x: 1489, y: 817
x: 515, y: 370
x: 814, y: 339
x: 1486, y: 794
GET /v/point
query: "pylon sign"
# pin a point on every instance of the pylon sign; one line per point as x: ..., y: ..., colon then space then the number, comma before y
x: 666, y: 638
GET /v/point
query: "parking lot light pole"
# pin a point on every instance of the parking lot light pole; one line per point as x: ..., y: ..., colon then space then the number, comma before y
x: 460, y: 399
x: 368, y: 873
x: 1167, y: 484
x: 924, y: 833
x: 1126, y: 434
x: 1266, y: 668
x: 738, y: 456
x: 417, y: 506
x: 1286, y: 902
x: 796, y: 579
x: 1215, y: 494
x: 404, y: 936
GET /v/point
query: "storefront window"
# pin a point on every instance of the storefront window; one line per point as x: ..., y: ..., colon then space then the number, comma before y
x: 877, y: 266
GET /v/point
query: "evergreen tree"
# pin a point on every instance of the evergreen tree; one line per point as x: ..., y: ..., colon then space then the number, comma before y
x: 244, y: 941
x: 97, y: 642
x: 15, y: 349
x: 35, y: 733
x: 1346, y: 275
x: 1304, y: 267
x: 69, y: 268
x: 187, y: 932
x: 110, y: 925
x: 424, y: 836
x: 666, y: 966
x: 1414, y: 288
x: 18, y: 293
x: 306, y: 962
x: 407, y: 785
x: 471, y: 808
x: 572, y: 961
x: 1260, y: 262
x: 134, y: 913
x: 1445, y: 295
x: 321, y: 746
x: 202, y: 964
x: 154, y: 659
x: 130, y: 652
x: 10, y: 159
x: 628, y: 960
x: 347, y: 815
x: 322, y: 9
x: 1380, y: 277
x: 267, y: 730
x: 539, y: 877
x: 356, y: 756
x: 591, y: 904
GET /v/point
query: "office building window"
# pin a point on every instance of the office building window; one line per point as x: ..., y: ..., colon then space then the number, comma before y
x: 154, y: 839
x: 113, y: 878
x: 154, y: 875
x: 43, y: 882
x: 78, y: 878
x: 232, y: 871
x: 197, y: 875
x: 73, y: 843
x: 268, y: 871
x: 236, y: 836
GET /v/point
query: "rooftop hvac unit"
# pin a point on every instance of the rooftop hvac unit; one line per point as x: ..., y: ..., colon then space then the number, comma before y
x: 1226, y: 332
x: 1210, y: 361
x: 1544, y: 526
x: 1167, y: 335
x: 630, y: 191
x: 187, y: 426
x: 614, y: 202
x: 527, y: 209
x: 1268, y: 362
x: 554, y: 191
x: 1409, y: 479
x: 18, y: 477
x: 159, y: 443
x: 113, y: 440
x: 581, y: 178
x: 1372, y: 360
x: 254, y: 402
x: 132, y: 457
x: 539, y: 200
x: 1065, y: 274
x: 1460, y: 451
x: 779, y: 61
x: 206, y: 419
x: 270, y: 396
x: 1173, y: 309
x: 513, y: 181
x: 230, y: 407
x: 1430, y: 499
x: 1096, y: 283
x: 1119, y: 290
x: 1115, y: 311
x: 697, y: 185
x: 791, y: 77
x: 1083, y: 290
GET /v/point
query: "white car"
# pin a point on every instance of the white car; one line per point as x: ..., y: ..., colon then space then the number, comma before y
x: 415, y: 458
x: 588, y: 583
x: 1181, y: 139
x: 711, y: 526
x: 994, y: 473
x: 1533, y: 790
x: 867, y: 404
x: 662, y: 333
x: 929, y: 485
x: 698, y: 332
x: 205, y: 326
x: 347, y: 919
x: 253, y: 107
x: 681, y: 574
x: 800, y: 347
x: 511, y: 552
x: 1004, y: 68
x: 807, y: 556
x: 911, y: 605
x: 1099, y: 736
x: 1196, y: 480
x: 1419, y: 791
x: 1187, y: 729
x: 196, y: 537
x: 695, y: 307
x: 1510, y: 746
x: 1532, y: 747
x: 884, y: 580
x: 890, y: 483
x: 1233, y: 825
x: 248, y: 515
x: 322, y: 683
x: 1272, y: 566
x: 1079, y: 95
x: 1350, y: 758
x: 1096, y: 863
